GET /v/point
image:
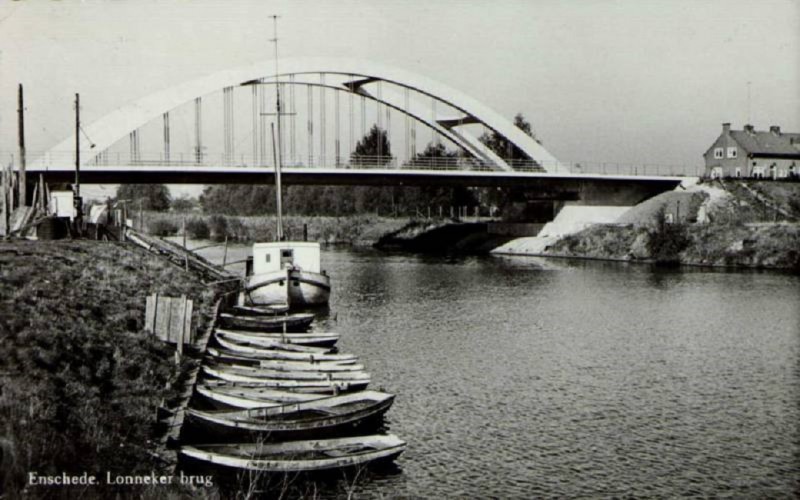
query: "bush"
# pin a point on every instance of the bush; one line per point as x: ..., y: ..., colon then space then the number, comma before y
x: 198, y: 229
x: 667, y: 241
x: 218, y: 226
x: 162, y: 227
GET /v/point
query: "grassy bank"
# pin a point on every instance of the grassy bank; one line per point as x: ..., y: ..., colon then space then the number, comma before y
x: 81, y: 380
x: 729, y: 223
x: 769, y: 246
x: 350, y: 230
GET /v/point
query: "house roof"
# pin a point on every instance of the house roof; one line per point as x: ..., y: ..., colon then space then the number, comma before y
x: 767, y: 143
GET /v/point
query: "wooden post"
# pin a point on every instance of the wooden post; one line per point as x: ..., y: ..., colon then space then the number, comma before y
x: 42, y: 194
x: 182, y: 327
x: 23, y: 195
x: 4, y: 207
x: 225, y: 253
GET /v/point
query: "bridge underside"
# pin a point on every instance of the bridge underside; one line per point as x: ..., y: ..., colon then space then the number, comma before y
x: 586, y: 189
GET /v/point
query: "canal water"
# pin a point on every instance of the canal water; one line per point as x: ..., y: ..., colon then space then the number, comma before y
x: 523, y: 377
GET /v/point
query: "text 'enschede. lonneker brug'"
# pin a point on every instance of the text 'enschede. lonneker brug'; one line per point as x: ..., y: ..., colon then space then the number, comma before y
x: 86, y: 479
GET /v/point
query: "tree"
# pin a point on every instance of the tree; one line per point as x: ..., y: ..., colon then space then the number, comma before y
x: 184, y: 204
x: 436, y: 154
x: 503, y: 147
x: 152, y: 196
x: 373, y: 149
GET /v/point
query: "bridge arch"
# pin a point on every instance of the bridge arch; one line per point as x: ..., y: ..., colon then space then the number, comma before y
x: 357, y: 75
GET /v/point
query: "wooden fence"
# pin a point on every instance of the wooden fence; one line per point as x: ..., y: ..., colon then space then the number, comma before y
x: 170, y: 319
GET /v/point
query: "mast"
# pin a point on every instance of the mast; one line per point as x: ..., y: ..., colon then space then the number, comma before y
x: 277, y: 150
x: 77, y: 146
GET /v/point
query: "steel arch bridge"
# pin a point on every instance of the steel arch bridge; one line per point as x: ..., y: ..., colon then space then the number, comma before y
x: 448, y: 115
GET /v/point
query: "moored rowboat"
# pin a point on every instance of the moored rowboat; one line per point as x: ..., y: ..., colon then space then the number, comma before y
x: 290, y: 322
x: 230, y: 396
x: 259, y: 372
x: 279, y: 364
x: 318, y: 417
x: 300, y: 456
x: 276, y: 383
x: 276, y: 351
x: 269, y: 339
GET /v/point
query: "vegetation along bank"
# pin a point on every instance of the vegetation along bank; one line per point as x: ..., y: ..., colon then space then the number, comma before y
x: 729, y: 223
x: 80, y: 379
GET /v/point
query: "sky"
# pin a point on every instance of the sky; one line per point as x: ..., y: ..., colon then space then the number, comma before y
x: 629, y: 81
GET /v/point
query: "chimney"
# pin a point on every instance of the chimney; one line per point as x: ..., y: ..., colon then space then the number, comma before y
x: 749, y: 128
x: 726, y: 127
x: 775, y: 129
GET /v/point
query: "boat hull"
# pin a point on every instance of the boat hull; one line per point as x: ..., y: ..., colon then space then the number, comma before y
x: 297, y: 288
x: 278, y: 458
x: 296, y: 420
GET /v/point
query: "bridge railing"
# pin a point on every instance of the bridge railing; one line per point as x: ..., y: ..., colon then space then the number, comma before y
x: 120, y: 159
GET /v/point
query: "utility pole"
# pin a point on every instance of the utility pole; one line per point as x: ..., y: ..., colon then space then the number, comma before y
x: 23, y: 195
x: 78, y: 202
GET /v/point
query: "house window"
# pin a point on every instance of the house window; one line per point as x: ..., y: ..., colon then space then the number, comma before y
x: 738, y: 172
x: 267, y: 255
x: 732, y: 152
x: 718, y: 153
x: 758, y: 172
x: 716, y: 173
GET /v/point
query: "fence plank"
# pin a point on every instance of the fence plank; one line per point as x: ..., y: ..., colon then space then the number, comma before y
x: 188, y: 336
x: 150, y: 314
x: 176, y: 319
x: 163, y: 312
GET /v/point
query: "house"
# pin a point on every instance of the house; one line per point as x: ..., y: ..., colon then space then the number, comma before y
x: 755, y: 154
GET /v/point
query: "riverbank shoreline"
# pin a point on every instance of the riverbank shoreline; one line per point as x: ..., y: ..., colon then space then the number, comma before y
x: 82, y: 380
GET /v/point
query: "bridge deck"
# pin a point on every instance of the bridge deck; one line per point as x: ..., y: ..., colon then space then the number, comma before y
x: 197, y: 174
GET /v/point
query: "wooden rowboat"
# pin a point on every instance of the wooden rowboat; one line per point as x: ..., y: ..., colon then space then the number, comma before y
x: 269, y: 339
x: 274, y: 345
x: 276, y: 351
x: 290, y: 322
x: 320, y: 417
x: 231, y: 396
x: 225, y: 356
x: 257, y: 371
x: 265, y: 310
x: 299, y: 456
x: 290, y: 384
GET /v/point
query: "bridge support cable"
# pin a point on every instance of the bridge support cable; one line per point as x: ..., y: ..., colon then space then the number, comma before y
x: 378, y: 118
x: 322, y: 124
x: 350, y: 139
x: 133, y: 138
x: 227, y: 125
x: 363, y: 118
x: 198, y: 129
x: 262, y: 125
x: 165, y: 119
x: 293, y: 111
x: 336, y: 128
x: 388, y: 124
x: 255, y: 124
x: 437, y: 138
x: 407, y: 128
x: 310, y: 121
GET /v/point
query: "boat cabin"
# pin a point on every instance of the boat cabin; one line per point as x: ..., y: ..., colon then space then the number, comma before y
x: 274, y: 256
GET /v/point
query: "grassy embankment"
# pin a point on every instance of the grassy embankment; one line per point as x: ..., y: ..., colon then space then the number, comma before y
x: 350, y: 230
x: 748, y: 224
x: 80, y: 380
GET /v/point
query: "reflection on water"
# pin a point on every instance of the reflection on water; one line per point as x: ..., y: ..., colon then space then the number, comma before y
x: 520, y: 377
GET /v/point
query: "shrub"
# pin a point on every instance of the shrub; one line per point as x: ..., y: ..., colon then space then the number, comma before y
x: 198, y: 229
x: 667, y: 241
x: 218, y: 225
x: 162, y: 227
